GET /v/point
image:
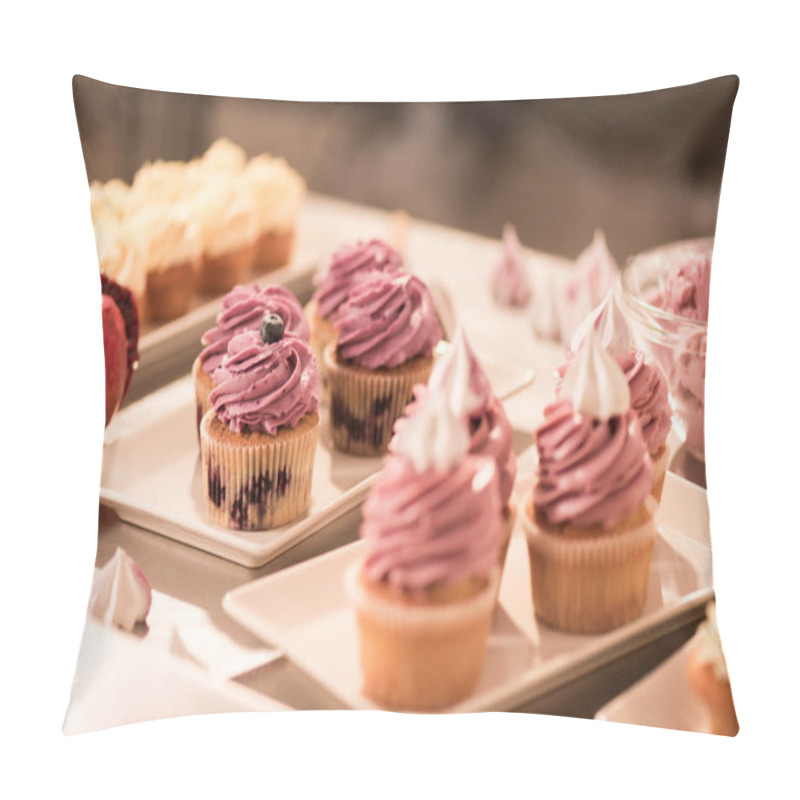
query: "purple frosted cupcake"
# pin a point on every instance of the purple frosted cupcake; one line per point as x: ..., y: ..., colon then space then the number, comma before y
x: 243, y: 309
x: 387, y: 330
x: 347, y: 266
x: 258, y: 440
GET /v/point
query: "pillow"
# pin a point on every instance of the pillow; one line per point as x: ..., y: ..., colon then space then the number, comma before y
x: 522, y: 220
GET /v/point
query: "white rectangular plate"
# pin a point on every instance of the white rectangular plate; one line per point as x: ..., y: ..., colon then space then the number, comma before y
x: 151, y: 475
x: 662, y: 699
x: 524, y: 659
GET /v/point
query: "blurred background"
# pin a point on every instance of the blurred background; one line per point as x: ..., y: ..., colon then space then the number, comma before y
x: 645, y: 168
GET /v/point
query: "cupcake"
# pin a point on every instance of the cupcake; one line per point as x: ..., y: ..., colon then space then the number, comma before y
x: 707, y: 673
x: 459, y: 377
x: 589, y: 519
x: 258, y: 441
x: 646, y: 381
x: 387, y: 330
x: 349, y: 263
x: 276, y: 192
x: 425, y: 590
x: 243, y: 309
x: 225, y: 216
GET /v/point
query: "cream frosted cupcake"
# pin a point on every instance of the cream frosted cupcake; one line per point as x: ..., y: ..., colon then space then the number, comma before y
x: 172, y: 249
x: 347, y: 265
x: 258, y: 441
x: 387, y: 330
x: 589, y: 520
x: 707, y: 673
x: 459, y: 377
x: 276, y: 192
x: 425, y: 591
x: 243, y: 309
x: 646, y: 381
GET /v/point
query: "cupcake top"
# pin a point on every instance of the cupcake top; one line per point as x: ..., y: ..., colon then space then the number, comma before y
x: 510, y: 285
x: 348, y: 264
x: 387, y: 320
x: 433, y: 514
x: 686, y: 290
x: 166, y: 233
x: 224, y: 156
x: 594, y: 468
x: 459, y: 377
x: 267, y: 380
x: 646, y: 382
x: 276, y: 190
x: 243, y: 309
x: 708, y: 645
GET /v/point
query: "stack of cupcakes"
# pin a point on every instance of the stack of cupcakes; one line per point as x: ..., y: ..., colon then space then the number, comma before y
x: 258, y: 440
x: 589, y: 519
x: 425, y: 590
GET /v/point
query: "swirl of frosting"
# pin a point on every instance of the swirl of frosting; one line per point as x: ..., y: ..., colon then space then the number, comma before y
x: 242, y: 310
x: 387, y: 320
x: 423, y: 528
x: 264, y: 387
x: 590, y: 472
x: 649, y: 398
x: 347, y: 265
x: 460, y: 378
x: 686, y: 290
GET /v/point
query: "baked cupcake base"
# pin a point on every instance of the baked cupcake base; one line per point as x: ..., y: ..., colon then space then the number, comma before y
x: 660, y: 463
x: 590, y: 581
x: 221, y: 272
x: 273, y: 249
x: 365, y: 403
x: 254, y: 481
x: 203, y: 384
x: 168, y: 291
x: 420, y: 655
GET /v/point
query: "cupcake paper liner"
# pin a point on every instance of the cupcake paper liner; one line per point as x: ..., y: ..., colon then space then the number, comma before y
x: 660, y: 464
x: 273, y: 249
x: 221, y: 272
x: 589, y: 584
x: 203, y: 384
x: 168, y: 291
x: 420, y: 656
x: 365, y: 403
x: 256, y: 481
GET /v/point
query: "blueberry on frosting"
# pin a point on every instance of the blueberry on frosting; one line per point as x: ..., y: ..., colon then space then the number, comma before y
x: 271, y: 328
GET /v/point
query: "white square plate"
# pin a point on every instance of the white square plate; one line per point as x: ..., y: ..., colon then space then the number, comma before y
x: 524, y: 659
x: 151, y: 475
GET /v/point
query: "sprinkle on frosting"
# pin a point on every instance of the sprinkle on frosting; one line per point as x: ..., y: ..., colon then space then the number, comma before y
x: 264, y: 387
x: 348, y: 264
x: 243, y: 309
x: 387, y: 320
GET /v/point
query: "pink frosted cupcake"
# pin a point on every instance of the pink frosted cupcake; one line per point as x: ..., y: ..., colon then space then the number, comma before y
x: 347, y: 265
x: 387, y: 330
x: 258, y: 440
x: 425, y: 591
x: 589, y: 520
x: 646, y: 381
x: 460, y: 378
x: 243, y: 309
